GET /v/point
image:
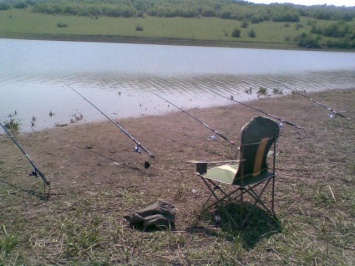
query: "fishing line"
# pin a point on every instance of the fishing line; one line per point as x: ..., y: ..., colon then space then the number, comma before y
x: 259, y: 110
x: 198, y: 120
x: 36, y: 172
x: 312, y: 100
x: 106, y: 157
x: 138, y: 147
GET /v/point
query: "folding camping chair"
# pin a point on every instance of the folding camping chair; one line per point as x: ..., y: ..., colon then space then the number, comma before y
x: 249, y: 177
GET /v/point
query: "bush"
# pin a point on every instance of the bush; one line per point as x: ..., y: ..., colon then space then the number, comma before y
x: 299, y: 26
x: 245, y: 23
x: 252, y: 34
x: 61, y: 25
x: 308, y: 41
x: 139, y: 28
x: 236, y: 32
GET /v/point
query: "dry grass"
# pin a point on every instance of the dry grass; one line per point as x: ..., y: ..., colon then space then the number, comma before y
x: 97, y: 179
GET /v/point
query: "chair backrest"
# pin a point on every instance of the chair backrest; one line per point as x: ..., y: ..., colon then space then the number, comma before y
x: 257, y: 137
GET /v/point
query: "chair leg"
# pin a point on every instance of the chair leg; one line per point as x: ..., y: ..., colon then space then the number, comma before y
x: 257, y: 198
x: 212, y: 188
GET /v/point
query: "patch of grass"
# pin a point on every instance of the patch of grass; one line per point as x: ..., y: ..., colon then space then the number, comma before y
x: 7, y: 241
x: 352, y: 168
x: 78, y: 240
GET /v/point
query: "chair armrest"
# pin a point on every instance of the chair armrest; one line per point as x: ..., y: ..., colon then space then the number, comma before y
x: 227, y: 161
x: 201, y: 166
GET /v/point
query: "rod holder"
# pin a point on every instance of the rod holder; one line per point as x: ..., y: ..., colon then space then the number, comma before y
x: 201, y: 168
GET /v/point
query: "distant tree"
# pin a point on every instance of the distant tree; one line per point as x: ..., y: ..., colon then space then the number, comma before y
x: 4, y: 6
x: 336, y: 30
x: 20, y: 5
x: 227, y: 9
x: 308, y: 40
x: 286, y: 17
x: 255, y: 19
x: 208, y: 12
x: 342, y: 43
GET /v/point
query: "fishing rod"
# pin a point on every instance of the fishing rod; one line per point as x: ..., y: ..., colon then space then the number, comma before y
x: 138, y: 144
x: 198, y: 120
x: 317, y: 102
x: 259, y: 110
x: 36, y: 172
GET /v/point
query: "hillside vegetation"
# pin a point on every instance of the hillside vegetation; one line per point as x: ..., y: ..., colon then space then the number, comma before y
x: 223, y: 22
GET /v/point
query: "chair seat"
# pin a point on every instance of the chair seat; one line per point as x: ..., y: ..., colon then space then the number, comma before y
x: 226, y: 174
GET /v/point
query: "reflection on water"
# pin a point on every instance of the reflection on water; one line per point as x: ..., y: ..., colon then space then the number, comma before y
x: 119, y: 79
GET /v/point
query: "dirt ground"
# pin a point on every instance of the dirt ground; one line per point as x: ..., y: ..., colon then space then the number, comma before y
x: 93, y: 168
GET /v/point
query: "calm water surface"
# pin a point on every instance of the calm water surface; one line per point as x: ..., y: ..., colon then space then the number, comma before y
x: 36, y: 78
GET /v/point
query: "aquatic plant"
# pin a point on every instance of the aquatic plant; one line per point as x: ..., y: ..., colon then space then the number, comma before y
x: 277, y: 91
x: 77, y: 117
x: 61, y: 124
x: 248, y: 91
x: 12, y: 125
x: 12, y: 115
x: 262, y: 91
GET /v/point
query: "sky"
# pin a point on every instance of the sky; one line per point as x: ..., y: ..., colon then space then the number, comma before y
x: 308, y: 2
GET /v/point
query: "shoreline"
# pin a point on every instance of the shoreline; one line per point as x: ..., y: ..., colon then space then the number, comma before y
x: 165, y: 115
x: 165, y: 41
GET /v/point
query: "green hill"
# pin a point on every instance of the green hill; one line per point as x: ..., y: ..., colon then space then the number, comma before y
x: 218, y: 23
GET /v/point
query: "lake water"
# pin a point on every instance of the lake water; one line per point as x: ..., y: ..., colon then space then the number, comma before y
x: 36, y: 78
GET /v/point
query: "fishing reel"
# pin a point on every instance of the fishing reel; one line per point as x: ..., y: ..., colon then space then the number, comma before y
x: 34, y: 173
x: 137, y: 149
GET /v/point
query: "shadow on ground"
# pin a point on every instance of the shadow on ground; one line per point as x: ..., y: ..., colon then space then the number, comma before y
x: 259, y: 225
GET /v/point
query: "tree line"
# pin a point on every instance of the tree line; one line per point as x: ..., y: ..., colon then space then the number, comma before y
x: 340, y: 33
x: 225, y: 9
